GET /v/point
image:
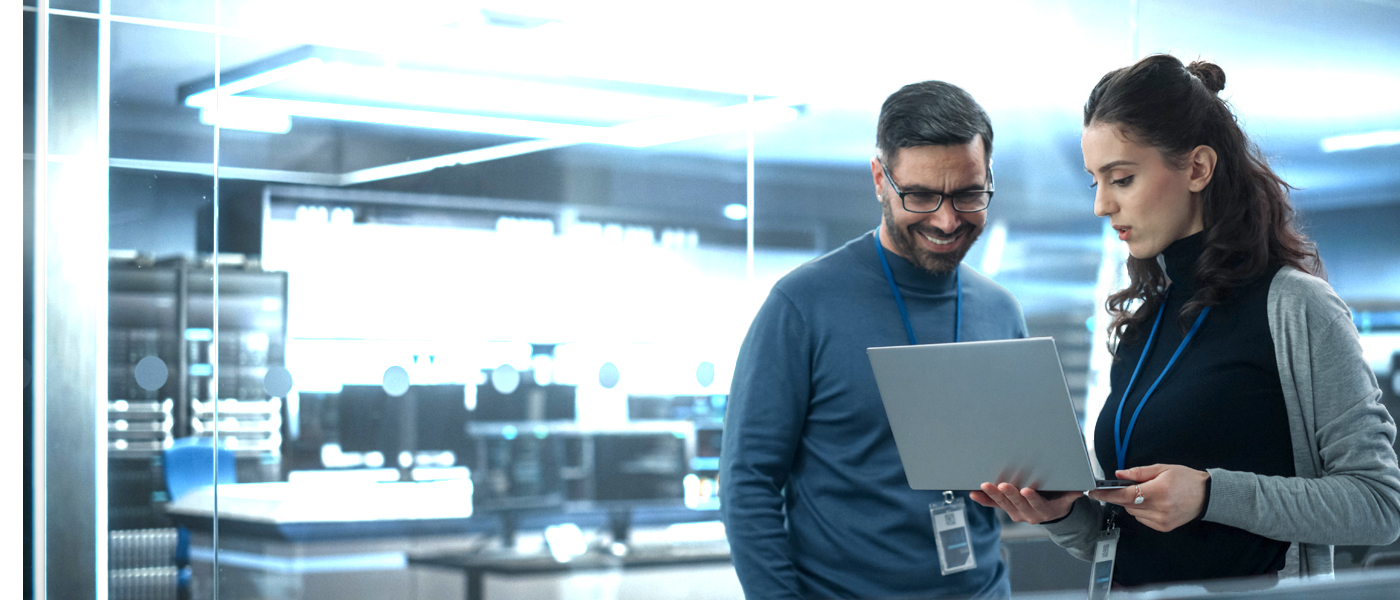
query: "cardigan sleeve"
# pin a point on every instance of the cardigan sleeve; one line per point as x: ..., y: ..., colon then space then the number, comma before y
x: 1078, y: 531
x: 1347, y: 488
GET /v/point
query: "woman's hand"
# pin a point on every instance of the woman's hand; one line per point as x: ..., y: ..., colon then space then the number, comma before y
x: 1172, y: 495
x: 1025, y: 505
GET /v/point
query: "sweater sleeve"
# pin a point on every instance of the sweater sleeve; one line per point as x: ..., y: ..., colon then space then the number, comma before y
x: 763, y: 424
x: 1348, y: 486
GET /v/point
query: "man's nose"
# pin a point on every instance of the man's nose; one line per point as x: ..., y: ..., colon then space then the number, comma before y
x: 945, y: 218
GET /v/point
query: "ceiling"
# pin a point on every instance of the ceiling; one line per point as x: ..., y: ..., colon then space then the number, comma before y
x: 1298, y: 71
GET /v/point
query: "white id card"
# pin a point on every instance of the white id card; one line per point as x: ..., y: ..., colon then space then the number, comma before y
x: 954, y: 542
x: 1101, y: 576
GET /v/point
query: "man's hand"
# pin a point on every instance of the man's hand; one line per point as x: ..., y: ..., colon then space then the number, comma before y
x: 1172, y: 495
x: 1025, y: 505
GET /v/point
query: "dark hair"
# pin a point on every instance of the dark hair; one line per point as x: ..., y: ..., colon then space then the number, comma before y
x: 1249, y: 222
x: 931, y: 113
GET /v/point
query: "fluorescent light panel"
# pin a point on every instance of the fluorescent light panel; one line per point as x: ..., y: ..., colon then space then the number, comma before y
x: 261, y: 114
x: 475, y: 94
x: 205, y: 98
x: 1362, y: 140
x: 410, y: 98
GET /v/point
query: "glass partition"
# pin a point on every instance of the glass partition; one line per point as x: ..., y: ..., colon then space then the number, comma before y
x: 161, y: 457
x: 391, y: 290
x: 480, y: 294
x: 1335, y: 149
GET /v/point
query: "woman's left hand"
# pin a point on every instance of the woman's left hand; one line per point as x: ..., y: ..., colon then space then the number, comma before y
x: 1172, y: 495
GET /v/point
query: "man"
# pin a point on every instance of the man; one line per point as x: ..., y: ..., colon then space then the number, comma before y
x: 813, y: 494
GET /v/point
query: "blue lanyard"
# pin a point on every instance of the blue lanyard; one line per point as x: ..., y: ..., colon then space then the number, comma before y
x: 899, y: 298
x: 1120, y: 445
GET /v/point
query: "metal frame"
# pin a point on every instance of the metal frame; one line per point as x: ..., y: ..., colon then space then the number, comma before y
x: 70, y: 304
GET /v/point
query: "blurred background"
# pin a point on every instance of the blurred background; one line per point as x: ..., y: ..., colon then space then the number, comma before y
x: 462, y: 304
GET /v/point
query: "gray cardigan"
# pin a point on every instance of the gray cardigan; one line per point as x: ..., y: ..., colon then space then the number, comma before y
x: 1347, y: 488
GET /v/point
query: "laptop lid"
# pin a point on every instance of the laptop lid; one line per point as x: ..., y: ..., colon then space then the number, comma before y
x: 973, y: 412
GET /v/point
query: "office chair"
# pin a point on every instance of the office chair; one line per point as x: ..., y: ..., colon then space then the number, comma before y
x: 189, y: 465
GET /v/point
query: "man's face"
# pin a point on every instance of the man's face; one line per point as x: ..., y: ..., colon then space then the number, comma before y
x: 935, y: 241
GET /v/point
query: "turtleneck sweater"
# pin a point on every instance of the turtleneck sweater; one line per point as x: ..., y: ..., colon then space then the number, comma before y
x: 1220, y: 406
x: 815, y: 500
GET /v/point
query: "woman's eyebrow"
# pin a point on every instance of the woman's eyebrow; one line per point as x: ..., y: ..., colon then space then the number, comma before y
x: 1110, y: 166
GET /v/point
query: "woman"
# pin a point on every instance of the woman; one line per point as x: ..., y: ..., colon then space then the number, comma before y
x: 1240, y: 400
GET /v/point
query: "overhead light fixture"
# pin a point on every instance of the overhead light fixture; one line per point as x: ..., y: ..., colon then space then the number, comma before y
x: 501, y: 18
x: 247, y: 120
x: 313, y: 83
x: 526, y: 14
x: 736, y: 212
x: 1361, y: 140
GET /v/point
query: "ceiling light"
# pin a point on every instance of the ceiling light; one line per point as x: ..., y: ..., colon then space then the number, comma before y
x: 514, y: 21
x: 248, y: 120
x: 1361, y: 140
x: 316, y: 83
x: 736, y: 212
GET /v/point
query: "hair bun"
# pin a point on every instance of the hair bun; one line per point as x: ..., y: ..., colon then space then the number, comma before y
x: 1210, y: 74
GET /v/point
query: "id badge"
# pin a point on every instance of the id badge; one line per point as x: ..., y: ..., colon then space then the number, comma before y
x: 954, y: 542
x: 1101, y: 576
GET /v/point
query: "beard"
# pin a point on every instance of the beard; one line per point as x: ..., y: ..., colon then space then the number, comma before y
x: 937, y: 263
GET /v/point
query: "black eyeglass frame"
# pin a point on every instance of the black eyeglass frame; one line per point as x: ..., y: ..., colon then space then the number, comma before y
x: 990, y: 192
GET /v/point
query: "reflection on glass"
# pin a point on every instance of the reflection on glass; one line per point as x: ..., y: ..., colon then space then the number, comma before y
x: 705, y: 374
x: 608, y: 375
x: 151, y: 373
x: 505, y: 379
x: 277, y: 382
x: 395, y: 381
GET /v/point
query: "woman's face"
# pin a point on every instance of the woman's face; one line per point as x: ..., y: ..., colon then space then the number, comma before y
x: 1148, y: 201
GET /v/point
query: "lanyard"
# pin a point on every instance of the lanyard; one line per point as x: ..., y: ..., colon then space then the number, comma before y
x: 1120, y: 445
x: 899, y: 298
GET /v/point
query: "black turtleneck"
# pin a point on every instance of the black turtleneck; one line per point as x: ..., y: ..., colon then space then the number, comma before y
x: 1221, y: 406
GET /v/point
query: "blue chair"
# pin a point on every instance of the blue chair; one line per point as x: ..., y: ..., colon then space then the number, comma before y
x: 189, y: 465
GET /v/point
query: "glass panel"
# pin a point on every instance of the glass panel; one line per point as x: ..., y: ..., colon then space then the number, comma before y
x: 499, y: 293
x: 458, y: 318
x: 1337, y: 150
x: 161, y: 461
x: 88, y: 6
x: 172, y: 13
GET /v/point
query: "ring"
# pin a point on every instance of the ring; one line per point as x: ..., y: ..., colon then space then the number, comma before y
x: 1139, y: 498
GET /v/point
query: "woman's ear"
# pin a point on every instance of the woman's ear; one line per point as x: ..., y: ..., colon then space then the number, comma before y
x: 1201, y: 167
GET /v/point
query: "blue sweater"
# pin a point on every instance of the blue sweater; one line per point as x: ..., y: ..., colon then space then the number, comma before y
x: 813, y: 494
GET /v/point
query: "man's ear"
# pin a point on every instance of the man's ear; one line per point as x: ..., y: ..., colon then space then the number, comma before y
x: 1201, y: 167
x: 878, y: 176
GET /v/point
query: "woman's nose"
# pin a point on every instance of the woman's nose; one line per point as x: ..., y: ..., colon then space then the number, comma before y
x: 1103, y: 206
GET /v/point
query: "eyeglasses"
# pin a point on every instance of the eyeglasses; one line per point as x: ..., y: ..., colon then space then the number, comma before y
x: 927, y: 202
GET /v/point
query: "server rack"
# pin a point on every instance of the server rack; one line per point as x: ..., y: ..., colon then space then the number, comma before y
x: 163, y: 309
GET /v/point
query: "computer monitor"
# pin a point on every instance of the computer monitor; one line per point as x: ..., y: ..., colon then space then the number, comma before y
x: 366, y: 420
x: 518, y: 473
x: 708, y: 442
x: 425, y: 418
x: 639, y: 468
x: 442, y: 418
x: 528, y: 402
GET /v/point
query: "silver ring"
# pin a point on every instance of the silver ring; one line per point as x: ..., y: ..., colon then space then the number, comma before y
x: 1139, y: 498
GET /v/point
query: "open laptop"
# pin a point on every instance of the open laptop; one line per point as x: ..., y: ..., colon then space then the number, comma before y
x: 974, y: 412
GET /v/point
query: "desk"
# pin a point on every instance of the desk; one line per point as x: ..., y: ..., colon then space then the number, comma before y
x: 477, y: 565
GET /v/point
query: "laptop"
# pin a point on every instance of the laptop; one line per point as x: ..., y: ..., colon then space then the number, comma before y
x: 973, y: 412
